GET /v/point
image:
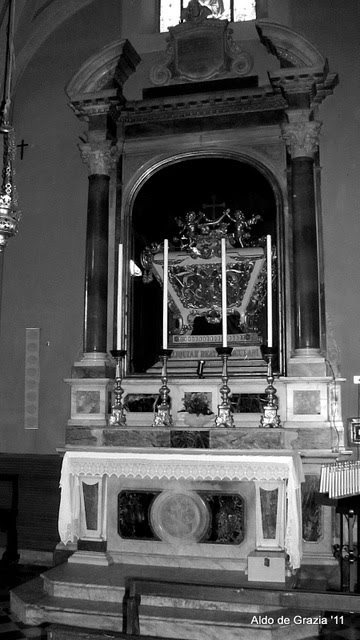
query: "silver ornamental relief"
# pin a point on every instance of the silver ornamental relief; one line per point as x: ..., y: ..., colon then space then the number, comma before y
x: 199, y: 286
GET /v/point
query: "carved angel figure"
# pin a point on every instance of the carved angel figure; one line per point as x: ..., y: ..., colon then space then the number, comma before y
x: 195, y: 11
x: 241, y: 234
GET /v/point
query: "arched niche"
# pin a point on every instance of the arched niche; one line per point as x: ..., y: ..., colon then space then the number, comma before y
x: 275, y: 126
x: 209, y: 183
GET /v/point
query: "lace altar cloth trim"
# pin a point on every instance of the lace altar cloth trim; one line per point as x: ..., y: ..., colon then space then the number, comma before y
x: 191, y: 466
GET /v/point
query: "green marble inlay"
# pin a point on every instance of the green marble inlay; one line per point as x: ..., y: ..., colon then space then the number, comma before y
x: 189, y: 439
x: 311, y: 511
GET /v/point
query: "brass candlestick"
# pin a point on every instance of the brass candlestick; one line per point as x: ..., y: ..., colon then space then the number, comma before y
x: 224, y: 417
x: 163, y: 417
x: 270, y: 416
x: 117, y: 417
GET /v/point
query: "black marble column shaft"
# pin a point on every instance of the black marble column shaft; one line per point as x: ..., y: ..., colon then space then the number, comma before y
x: 305, y: 253
x: 96, y: 265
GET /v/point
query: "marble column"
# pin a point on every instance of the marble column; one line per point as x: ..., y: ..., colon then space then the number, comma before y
x: 302, y: 141
x: 100, y: 157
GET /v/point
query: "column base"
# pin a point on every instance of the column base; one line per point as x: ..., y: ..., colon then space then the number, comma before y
x: 93, y: 358
x: 307, y: 363
x: 90, y: 400
x: 93, y: 365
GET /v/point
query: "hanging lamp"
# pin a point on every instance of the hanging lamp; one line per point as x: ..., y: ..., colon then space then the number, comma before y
x: 9, y: 212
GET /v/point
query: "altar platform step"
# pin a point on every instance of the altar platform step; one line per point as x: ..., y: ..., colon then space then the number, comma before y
x: 193, y: 620
x: 88, y: 597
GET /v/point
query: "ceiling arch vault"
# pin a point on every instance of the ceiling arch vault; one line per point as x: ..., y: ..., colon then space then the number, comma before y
x: 35, y: 21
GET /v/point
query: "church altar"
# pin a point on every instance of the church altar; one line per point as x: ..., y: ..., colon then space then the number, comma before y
x: 138, y: 486
x: 91, y: 481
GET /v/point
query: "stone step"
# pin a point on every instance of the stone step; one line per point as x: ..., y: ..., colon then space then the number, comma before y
x: 65, y: 588
x: 210, y: 625
x: 80, y: 583
x: 31, y: 604
x: 107, y: 583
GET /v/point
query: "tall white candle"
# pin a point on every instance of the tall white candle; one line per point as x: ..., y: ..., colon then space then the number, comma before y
x: 269, y: 292
x: 165, y: 294
x: 119, y: 297
x: 223, y: 292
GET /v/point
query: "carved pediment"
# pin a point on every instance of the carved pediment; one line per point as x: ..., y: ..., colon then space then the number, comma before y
x: 201, y: 49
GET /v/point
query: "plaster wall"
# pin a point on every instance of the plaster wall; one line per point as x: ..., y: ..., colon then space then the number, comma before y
x: 43, y: 278
x: 333, y: 27
x: 44, y: 264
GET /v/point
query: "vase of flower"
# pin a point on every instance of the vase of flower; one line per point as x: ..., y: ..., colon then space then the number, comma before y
x: 196, y: 422
x: 196, y: 411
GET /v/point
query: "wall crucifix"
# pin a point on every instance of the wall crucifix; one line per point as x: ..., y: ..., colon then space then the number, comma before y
x: 22, y: 146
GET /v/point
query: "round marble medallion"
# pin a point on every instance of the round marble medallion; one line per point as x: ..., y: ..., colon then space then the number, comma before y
x: 179, y: 516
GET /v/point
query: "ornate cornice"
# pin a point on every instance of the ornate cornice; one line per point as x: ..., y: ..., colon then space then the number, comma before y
x: 94, y: 104
x: 303, y: 69
x: 315, y: 84
x: 100, y: 157
x: 98, y: 84
x: 200, y: 105
x: 302, y: 138
x: 86, y: 106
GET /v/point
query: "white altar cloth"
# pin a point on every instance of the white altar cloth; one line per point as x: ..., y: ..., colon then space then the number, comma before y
x: 189, y: 465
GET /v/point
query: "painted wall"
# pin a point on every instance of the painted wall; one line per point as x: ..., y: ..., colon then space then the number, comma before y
x: 44, y: 264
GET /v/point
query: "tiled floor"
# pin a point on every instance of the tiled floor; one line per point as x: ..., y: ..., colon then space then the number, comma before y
x: 346, y: 627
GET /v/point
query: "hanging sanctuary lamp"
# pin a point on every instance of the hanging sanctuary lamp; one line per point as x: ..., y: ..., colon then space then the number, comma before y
x: 9, y: 212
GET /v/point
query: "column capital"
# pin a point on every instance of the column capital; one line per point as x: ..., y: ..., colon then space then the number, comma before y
x: 100, y: 156
x: 302, y: 138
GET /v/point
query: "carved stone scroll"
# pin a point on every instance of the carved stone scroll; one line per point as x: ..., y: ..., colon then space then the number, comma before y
x: 201, y: 49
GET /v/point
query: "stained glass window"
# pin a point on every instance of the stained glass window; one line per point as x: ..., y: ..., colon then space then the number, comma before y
x: 232, y: 10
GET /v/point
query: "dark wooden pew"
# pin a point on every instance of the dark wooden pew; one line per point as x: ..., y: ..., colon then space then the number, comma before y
x: 8, y: 516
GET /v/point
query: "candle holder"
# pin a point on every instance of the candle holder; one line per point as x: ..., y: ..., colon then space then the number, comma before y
x: 270, y: 416
x: 163, y: 417
x: 200, y: 369
x: 117, y: 417
x: 224, y: 417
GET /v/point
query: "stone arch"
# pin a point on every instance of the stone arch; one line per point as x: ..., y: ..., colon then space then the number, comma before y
x: 153, y: 169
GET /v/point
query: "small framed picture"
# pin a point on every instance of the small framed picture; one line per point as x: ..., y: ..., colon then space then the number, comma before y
x: 354, y: 424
